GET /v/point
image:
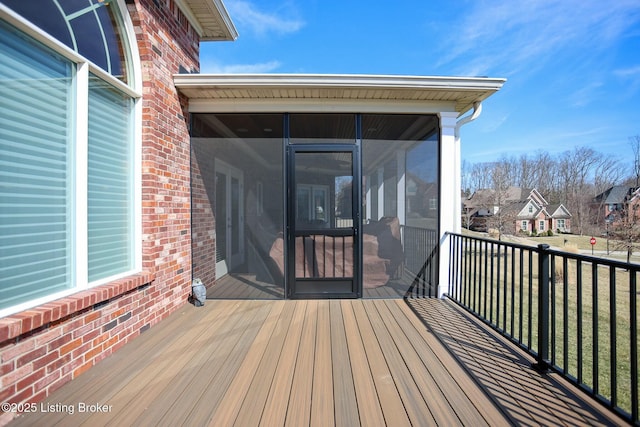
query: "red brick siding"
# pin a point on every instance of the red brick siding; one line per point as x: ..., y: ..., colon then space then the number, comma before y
x: 43, y: 348
x: 203, y: 213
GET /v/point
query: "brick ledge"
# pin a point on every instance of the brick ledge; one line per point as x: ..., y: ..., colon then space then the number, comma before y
x: 30, y: 320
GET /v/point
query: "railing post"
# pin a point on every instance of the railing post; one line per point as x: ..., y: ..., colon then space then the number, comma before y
x: 542, y: 362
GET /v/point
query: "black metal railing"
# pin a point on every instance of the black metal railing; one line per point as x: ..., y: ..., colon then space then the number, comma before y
x: 420, y: 261
x: 576, y: 314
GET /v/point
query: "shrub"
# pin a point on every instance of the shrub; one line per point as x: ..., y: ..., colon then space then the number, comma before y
x: 549, y: 233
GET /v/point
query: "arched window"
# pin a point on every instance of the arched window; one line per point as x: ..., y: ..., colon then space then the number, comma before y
x: 69, y: 162
x: 89, y: 27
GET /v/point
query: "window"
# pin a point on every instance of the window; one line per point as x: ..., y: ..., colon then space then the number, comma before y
x: 68, y: 165
x: 530, y: 209
x: 312, y: 204
x: 110, y: 189
x: 560, y: 223
x: 541, y: 225
x: 524, y: 225
x: 86, y: 27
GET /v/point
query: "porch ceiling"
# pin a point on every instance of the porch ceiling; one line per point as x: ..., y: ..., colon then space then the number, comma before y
x: 210, y: 18
x: 347, y: 92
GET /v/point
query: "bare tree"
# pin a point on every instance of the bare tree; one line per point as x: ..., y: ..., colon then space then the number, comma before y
x: 505, y: 172
x: 575, y: 168
x: 479, y: 176
x: 635, y: 146
x: 607, y: 173
x: 527, y: 172
x: 546, y: 176
x: 626, y: 231
x: 465, y: 172
x: 501, y: 220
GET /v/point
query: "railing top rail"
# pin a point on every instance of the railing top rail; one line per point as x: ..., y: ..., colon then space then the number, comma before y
x: 582, y: 257
x: 500, y: 242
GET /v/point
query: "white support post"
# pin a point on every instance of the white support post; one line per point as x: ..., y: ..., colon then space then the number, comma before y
x: 400, y: 186
x: 367, y: 196
x: 450, y: 199
x: 380, y: 212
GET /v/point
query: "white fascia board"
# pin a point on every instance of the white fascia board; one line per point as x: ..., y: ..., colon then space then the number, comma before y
x: 338, y: 80
x: 218, y: 10
x: 318, y: 105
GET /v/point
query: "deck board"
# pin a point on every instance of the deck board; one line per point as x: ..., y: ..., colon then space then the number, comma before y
x: 236, y: 393
x: 321, y: 362
x: 455, y: 383
x: 275, y: 409
x: 417, y: 409
x: 440, y: 399
x: 344, y: 396
x: 389, y: 397
x: 322, y: 391
x: 299, y: 410
x: 368, y: 403
x: 206, y: 363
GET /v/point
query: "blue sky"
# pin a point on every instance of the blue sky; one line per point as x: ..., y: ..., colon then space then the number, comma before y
x: 572, y: 66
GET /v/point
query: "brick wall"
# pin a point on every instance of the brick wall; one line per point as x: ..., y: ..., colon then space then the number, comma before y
x: 203, y: 215
x: 43, y: 348
x: 166, y: 44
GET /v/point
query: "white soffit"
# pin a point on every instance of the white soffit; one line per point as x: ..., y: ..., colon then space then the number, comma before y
x: 210, y: 19
x: 309, y: 92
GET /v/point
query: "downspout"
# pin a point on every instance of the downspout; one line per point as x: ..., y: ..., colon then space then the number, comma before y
x: 477, y: 110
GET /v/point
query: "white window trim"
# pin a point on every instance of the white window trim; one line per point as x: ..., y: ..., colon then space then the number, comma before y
x: 79, y: 252
x: 311, y: 188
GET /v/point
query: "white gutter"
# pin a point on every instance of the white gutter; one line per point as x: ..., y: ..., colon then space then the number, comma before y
x: 477, y: 109
x: 477, y: 84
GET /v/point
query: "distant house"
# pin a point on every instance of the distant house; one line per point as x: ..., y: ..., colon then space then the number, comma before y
x: 526, y: 208
x: 612, y: 204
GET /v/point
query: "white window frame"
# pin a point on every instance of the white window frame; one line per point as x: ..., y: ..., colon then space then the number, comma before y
x: 541, y: 225
x: 311, y: 209
x: 524, y: 225
x: 83, y: 67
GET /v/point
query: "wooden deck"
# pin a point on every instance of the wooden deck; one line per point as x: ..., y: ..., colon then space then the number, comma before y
x: 320, y: 362
x: 246, y: 286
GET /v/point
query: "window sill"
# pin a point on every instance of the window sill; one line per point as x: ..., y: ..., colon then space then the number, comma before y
x: 30, y: 320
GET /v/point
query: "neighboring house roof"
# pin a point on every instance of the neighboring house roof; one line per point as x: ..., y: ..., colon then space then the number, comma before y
x: 517, y: 208
x: 521, y: 209
x: 558, y: 211
x: 485, y: 195
x: 479, y: 198
x: 209, y: 18
x: 517, y: 202
x: 309, y: 92
x: 614, y: 195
